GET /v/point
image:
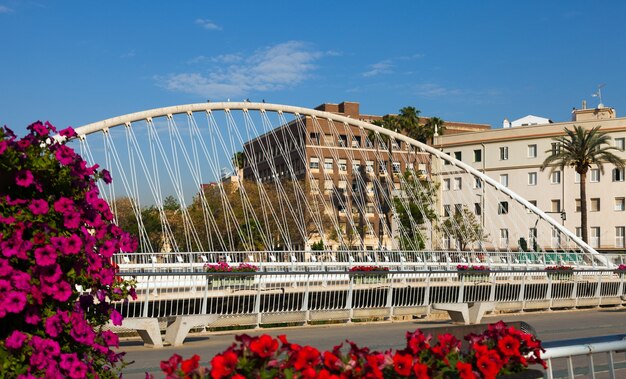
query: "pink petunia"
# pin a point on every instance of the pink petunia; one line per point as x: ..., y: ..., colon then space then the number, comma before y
x: 106, y: 176
x: 16, y: 340
x: 3, y: 146
x: 65, y: 155
x: 63, y: 205
x: 68, y: 132
x: 15, y: 301
x: 71, y: 220
x: 116, y: 317
x: 46, y: 256
x: 62, y: 291
x: 38, y: 207
x: 24, y: 178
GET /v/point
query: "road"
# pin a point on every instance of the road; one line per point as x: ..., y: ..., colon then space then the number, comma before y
x: 550, y: 326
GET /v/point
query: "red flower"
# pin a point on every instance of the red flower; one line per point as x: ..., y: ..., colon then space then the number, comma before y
x: 331, y: 360
x: 509, y: 346
x: 402, y: 364
x: 171, y: 365
x: 306, y: 357
x: 223, y: 365
x: 489, y: 365
x: 465, y: 370
x: 190, y: 364
x: 421, y: 371
x: 264, y: 346
x: 309, y: 373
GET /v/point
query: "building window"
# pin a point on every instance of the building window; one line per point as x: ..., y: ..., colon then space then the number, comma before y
x: 595, y: 204
x: 315, y: 138
x: 503, y: 207
x: 343, y: 140
x: 477, y: 209
x: 457, y: 155
x: 328, y: 184
x: 478, y: 155
x: 578, y: 205
x: 595, y: 236
x: 579, y: 232
x: 619, y: 236
x: 458, y: 184
x: 618, y: 174
x: 369, y: 167
x: 532, y: 151
x: 446, y: 184
x: 532, y: 202
x: 504, y: 237
x: 556, y: 237
x: 620, y: 204
x: 555, y: 177
x: 329, y: 140
x: 504, y: 153
x: 504, y: 180
x: 478, y: 183
x: 446, y: 210
x: 356, y: 166
x: 595, y: 175
x: 343, y: 166
x: 619, y: 143
x: 576, y: 177
x: 458, y: 209
x: 395, y: 167
x: 555, y: 148
x: 532, y: 178
x: 315, y: 186
x: 382, y: 167
x: 314, y: 163
x: 556, y: 205
x: 328, y: 164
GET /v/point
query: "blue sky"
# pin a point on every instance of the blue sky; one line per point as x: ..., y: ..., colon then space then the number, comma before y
x: 75, y: 62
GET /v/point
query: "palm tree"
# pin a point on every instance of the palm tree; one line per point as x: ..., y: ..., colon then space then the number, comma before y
x: 428, y: 131
x: 582, y: 149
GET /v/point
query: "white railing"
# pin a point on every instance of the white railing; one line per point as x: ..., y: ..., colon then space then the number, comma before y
x: 275, y: 297
x: 589, y: 358
x: 340, y: 260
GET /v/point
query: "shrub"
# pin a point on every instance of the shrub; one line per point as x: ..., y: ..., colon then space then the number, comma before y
x: 499, y: 350
x: 56, y: 236
x: 225, y: 267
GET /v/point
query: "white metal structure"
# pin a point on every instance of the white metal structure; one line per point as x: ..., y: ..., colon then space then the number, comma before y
x: 275, y: 201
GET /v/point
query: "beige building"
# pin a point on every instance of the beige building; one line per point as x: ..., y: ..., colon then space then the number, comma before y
x: 513, y: 156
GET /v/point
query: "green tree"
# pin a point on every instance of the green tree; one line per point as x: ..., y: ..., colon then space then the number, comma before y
x: 581, y: 149
x: 464, y: 227
x: 413, y: 210
x: 428, y: 130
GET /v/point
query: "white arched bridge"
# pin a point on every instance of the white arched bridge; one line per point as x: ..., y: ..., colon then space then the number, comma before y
x: 307, y: 196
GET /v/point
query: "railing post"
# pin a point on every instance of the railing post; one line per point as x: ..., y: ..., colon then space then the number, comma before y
x: 427, y: 290
x: 389, y: 300
x: 349, y: 297
x: 205, y: 300
x: 305, y: 300
x: 492, y: 293
x: 461, y: 290
x: 145, y: 305
x: 257, y: 302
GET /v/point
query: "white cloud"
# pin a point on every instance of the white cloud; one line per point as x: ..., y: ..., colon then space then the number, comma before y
x: 208, y: 24
x: 382, y: 67
x: 272, y: 68
x: 437, y: 90
x: 5, y: 9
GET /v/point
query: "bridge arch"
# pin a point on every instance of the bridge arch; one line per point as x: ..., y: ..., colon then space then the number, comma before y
x: 150, y: 156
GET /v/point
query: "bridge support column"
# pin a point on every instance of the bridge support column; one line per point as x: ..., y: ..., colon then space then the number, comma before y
x: 178, y: 330
x: 148, y: 329
x: 466, y: 313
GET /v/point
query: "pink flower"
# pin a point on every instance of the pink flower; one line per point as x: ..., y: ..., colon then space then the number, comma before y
x: 15, y: 340
x: 15, y: 301
x: 21, y: 280
x: 71, y: 220
x: 5, y: 268
x: 46, y: 256
x: 3, y: 147
x: 68, y: 132
x: 24, y: 178
x: 38, y: 207
x: 63, y: 205
x: 54, y: 325
x: 38, y: 128
x: 116, y: 317
x: 32, y: 315
x: 106, y: 176
x: 62, y: 291
x: 65, y: 155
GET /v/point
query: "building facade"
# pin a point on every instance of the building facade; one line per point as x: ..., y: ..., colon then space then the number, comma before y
x: 513, y: 157
x: 351, y: 172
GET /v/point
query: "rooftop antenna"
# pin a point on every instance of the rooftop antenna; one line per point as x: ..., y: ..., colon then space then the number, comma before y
x: 598, y: 94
